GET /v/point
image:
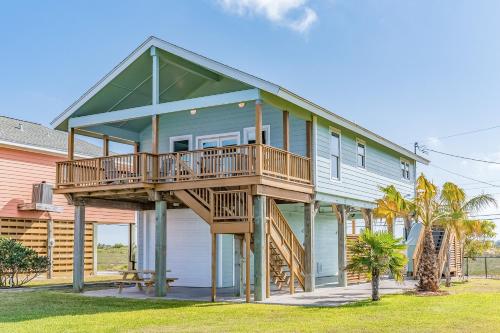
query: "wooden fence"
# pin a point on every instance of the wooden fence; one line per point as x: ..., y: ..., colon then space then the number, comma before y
x: 33, y: 233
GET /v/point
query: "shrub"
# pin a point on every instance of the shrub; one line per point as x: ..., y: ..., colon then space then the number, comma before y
x: 19, y: 264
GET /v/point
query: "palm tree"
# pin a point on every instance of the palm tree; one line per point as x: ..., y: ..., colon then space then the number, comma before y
x: 377, y: 253
x: 429, y: 211
x: 392, y: 206
x: 458, y: 209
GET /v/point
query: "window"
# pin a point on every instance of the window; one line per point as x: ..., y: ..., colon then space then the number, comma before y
x: 405, y: 169
x: 180, y: 143
x: 218, y: 140
x: 361, y: 154
x: 249, y: 135
x: 335, y: 155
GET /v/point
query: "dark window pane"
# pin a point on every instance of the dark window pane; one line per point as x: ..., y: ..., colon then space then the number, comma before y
x: 181, y: 145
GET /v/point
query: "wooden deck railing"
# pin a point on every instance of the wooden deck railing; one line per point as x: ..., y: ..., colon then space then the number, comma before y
x: 230, y: 205
x: 211, y: 163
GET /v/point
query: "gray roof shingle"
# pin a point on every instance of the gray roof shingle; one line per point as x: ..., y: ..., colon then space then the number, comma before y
x: 38, y: 136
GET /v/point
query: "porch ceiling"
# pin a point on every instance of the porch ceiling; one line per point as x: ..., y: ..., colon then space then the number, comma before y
x: 179, y: 79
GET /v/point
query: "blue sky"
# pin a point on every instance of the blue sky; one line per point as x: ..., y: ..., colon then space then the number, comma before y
x: 408, y: 70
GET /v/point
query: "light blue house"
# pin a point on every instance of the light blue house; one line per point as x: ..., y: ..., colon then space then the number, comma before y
x: 237, y: 182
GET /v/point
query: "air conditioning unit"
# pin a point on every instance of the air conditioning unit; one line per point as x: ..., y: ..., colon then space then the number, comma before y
x: 42, y: 193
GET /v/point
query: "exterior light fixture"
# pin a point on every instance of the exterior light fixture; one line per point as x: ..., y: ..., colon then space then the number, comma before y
x: 193, y: 112
x: 241, y: 105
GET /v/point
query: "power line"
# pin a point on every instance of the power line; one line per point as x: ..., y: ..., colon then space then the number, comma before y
x: 460, y: 175
x: 424, y: 149
x: 465, y: 133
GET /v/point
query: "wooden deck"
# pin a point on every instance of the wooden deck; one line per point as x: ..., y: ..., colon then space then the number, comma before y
x: 264, y: 167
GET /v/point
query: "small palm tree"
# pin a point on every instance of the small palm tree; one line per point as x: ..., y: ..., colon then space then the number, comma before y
x: 376, y: 254
x: 392, y: 206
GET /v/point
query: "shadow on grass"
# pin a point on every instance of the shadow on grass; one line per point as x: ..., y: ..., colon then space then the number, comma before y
x: 30, y: 305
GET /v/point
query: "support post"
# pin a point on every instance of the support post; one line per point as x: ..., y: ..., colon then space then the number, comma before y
x: 247, y: 267
x: 139, y: 221
x: 78, y: 247
x: 286, y: 130
x: 94, y: 248
x: 161, y: 249
x: 309, y: 138
x: 214, y: 267
x: 155, y: 130
x: 258, y: 122
x: 340, y: 211
x: 50, y: 247
x: 268, y: 261
x: 131, y: 246
x: 238, y: 266
x: 71, y: 144
x: 105, y: 145
x: 259, y: 238
x: 155, y: 77
x: 310, y: 273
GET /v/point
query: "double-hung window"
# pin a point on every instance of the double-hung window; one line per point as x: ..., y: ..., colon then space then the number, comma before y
x: 405, y: 169
x: 361, y: 154
x: 335, y: 155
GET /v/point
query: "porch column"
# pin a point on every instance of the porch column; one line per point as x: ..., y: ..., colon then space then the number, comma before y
x: 239, y: 264
x: 340, y: 211
x: 161, y: 249
x: 258, y: 122
x: 247, y: 266
x: 78, y: 247
x: 105, y: 145
x: 259, y: 252
x: 286, y: 130
x: 310, y: 272
x: 155, y: 76
x: 368, y: 217
x: 309, y: 140
x: 71, y: 144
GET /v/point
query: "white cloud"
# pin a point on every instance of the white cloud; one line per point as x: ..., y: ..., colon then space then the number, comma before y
x: 293, y: 14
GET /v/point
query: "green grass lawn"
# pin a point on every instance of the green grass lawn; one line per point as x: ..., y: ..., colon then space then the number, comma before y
x: 112, y: 258
x: 470, y: 307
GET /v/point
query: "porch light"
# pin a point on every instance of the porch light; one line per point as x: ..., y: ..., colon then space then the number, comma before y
x: 241, y: 105
x: 193, y: 112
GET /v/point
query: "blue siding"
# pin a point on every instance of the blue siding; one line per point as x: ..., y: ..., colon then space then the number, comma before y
x: 225, y: 119
x: 382, y: 167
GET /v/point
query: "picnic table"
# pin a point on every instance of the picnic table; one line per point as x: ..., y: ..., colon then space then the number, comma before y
x: 133, y: 277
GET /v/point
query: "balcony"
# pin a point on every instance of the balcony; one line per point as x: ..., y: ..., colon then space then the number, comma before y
x: 223, y: 166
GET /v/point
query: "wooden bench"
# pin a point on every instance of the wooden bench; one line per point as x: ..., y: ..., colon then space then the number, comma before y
x: 151, y: 282
x: 121, y: 283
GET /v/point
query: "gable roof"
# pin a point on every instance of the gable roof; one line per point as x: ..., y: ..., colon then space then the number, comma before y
x: 238, y: 75
x: 33, y: 136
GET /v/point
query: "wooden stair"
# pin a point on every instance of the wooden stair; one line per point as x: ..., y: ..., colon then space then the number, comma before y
x: 229, y: 211
x: 443, y: 239
x: 287, y: 254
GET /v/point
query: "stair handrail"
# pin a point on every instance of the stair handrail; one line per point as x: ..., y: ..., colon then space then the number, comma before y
x: 417, y: 253
x: 284, y: 229
x: 443, y: 251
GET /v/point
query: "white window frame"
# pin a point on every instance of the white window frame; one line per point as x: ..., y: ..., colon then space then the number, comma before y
x: 338, y: 132
x: 217, y: 135
x: 188, y: 137
x: 404, y: 160
x: 362, y: 142
x: 265, y: 128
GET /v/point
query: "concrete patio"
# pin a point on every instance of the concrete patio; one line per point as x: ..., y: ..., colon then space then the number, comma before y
x: 325, y: 295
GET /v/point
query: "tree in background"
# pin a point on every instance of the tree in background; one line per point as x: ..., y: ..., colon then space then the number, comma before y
x: 376, y: 254
x: 459, y: 208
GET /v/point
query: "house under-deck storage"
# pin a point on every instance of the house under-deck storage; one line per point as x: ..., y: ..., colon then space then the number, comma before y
x: 236, y: 182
